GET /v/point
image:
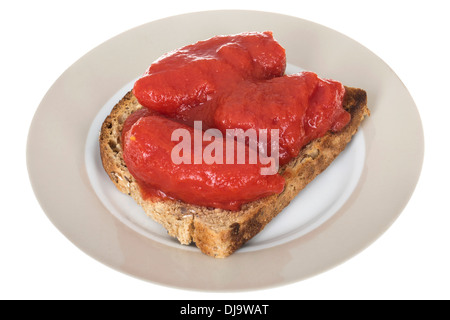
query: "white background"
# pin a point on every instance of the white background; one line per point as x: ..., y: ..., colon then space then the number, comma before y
x: 40, y: 39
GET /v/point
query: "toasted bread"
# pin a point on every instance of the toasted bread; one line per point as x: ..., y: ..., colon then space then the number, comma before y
x: 216, y: 232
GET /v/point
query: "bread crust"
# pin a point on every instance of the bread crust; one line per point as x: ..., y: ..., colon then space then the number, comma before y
x: 217, y: 232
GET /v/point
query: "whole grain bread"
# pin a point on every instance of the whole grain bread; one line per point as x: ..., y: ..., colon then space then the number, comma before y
x: 216, y: 232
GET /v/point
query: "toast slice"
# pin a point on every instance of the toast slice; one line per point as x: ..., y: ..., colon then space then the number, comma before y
x: 216, y: 232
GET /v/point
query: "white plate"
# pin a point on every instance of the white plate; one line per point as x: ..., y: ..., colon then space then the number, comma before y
x: 337, y: 215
